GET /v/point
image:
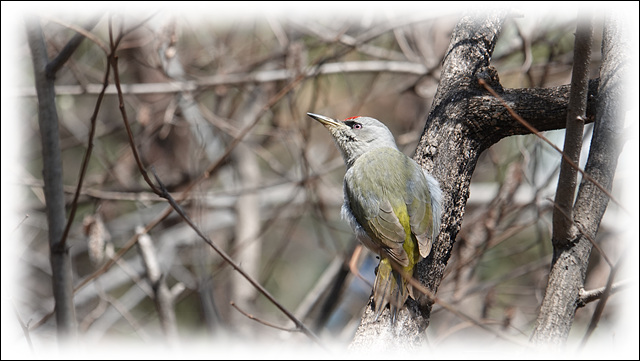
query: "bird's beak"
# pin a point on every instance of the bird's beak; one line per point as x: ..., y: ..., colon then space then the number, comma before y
x: 326, y: 121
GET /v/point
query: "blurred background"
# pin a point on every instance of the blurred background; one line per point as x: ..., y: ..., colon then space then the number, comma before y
x: 206, y: 83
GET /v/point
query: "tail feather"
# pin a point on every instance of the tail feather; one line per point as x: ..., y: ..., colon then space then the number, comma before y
x: 389, y: 288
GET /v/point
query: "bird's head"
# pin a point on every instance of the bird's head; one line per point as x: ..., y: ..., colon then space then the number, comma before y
x: 357, y: 135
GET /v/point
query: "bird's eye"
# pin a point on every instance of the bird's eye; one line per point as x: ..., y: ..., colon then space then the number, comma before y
x: 352, y: 124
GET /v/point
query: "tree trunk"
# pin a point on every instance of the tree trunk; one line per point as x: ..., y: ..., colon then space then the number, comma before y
x: 570, y: 261
x: 465, y: 119
x: 62, y: 279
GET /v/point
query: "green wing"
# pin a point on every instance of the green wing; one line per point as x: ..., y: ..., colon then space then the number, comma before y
x: 376, y: 199
x: 418, y: 203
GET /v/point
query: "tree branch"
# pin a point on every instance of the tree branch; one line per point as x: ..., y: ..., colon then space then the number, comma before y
x: 563, y: 229
x: 262, y: 76
x: 463, y: 122
x: 299, y: 325
x: 449, y: 151
x: 569, y: 268
x: 587, y: 297
x: 162, y: 296
x: 62, y: 279
x: 68, y: 50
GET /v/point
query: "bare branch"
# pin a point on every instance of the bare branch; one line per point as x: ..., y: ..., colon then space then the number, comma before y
x: 570, y: 263
x: 539, y: 135
x: 68, y: 50
x: 587, y: 297
x: 82, y: 32
x: 597, y: 314
x: 228, y: 259
x: 206, y: 174
x: 263, y: 76
x: 162, y: 296
x: 191, y: 86
x: 563, y: 230
x: 87, y: 156
x: 62, y: 279
x: 113, y: 61
x: 23, y: 326
x: 269, y: 324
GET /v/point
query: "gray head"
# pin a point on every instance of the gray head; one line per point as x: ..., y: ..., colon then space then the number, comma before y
x: 357, y: 135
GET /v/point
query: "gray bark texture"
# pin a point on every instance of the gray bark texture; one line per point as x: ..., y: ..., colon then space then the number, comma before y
x: 569, y: 266
x: 465, y: 119
x: 62, y: 279
x: 563, y: 229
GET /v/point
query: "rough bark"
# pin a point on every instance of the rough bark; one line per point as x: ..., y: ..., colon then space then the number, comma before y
x: 62, y: 279
x: 570, y: 262
x: 563, y: 228
x: 464, y: 121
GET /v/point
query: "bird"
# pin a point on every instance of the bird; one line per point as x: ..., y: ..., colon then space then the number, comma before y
x: 392, y: 204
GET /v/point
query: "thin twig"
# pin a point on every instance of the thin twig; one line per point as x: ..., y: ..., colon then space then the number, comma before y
x: 113, y: 60
x: 174, y: 205
x: 162, y: 297
x: 533, y: 130
x: 451, y: 308
x: 595, y: 318
x: 252, y: 317
x: 23, y: 326
x: 586, y: 234
x: 263, y: 76
x: 68, y: 50
x: 301, y: 326
x: 84, y: 32
x: 353, y: 264
x: 587, y: 297
x: 185, y: 193
x: 311, y: 70
x: 87, y: 156
x: 26, y: 216
x: 130, y: 243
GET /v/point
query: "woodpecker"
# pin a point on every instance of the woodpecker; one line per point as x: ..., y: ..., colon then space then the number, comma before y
x: 392, y: 204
